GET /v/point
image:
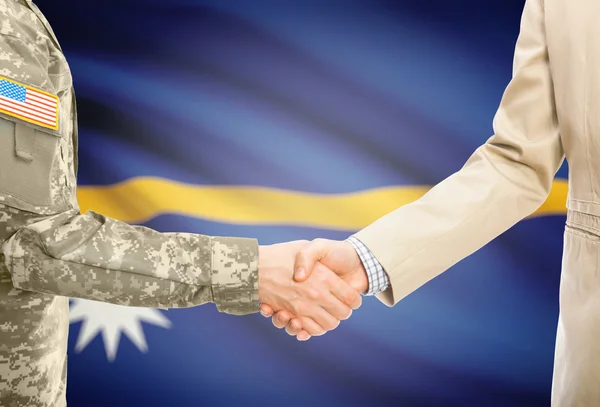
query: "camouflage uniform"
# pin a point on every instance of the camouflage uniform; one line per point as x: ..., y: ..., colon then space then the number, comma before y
x: 50, y: 251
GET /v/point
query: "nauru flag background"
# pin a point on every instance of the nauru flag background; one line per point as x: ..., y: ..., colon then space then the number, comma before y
x: 295, y: 120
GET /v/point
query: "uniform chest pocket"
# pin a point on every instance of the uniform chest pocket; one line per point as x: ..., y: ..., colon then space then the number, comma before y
x: 27, y: 159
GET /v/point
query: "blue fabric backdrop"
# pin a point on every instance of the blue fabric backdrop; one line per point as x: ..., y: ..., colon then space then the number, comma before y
x: 323, y: 97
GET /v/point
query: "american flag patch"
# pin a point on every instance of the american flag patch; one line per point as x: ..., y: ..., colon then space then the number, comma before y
x: 29, y: 104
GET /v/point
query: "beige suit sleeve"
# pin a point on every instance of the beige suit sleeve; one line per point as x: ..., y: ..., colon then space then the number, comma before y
x: 505, y: 180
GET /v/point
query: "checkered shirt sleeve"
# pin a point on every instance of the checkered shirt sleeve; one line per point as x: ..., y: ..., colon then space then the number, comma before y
x: 378, y: 278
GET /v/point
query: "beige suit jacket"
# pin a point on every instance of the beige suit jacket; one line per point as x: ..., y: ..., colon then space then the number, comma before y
x: 550, y: 109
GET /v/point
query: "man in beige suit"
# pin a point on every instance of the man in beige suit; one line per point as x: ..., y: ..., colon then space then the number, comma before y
x: 551, y: 108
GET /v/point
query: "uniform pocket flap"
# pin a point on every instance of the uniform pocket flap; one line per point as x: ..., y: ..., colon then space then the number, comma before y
x: 27, y: 156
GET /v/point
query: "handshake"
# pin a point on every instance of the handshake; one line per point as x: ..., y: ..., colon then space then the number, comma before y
x: 309, y: 287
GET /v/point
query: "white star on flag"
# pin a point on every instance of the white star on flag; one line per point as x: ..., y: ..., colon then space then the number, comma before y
x: 112, y: 320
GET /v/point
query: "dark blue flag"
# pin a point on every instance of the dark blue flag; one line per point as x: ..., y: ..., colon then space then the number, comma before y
x: 297, y: 120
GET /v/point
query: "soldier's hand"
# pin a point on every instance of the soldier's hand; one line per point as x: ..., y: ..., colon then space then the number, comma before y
x: 318, y: 304
x: 339, y: 256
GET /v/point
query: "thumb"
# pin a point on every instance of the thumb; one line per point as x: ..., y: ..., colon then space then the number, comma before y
x: 307, y: 257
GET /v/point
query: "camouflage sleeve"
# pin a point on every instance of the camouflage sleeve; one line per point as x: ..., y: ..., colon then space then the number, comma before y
x: 91, y: 256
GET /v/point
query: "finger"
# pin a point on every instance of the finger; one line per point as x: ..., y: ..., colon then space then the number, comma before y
x: 322, y: 317
x: 281, y: 319
x: 306, y: 258
x: 303, y: 336
x: 341, y: 297
x: 344, y: 293
x: 311, y: 327
x: 339, y: 310
x: 327, y: 310
x: 266, y: 310
x: 336, y: 308
x: 294, y: 327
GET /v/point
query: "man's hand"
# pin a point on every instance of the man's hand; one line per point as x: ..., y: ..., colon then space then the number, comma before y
x: 338, y: 256
x: 317, y: 303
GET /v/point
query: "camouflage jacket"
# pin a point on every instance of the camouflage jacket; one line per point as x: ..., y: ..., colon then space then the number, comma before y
x: 50, y: 251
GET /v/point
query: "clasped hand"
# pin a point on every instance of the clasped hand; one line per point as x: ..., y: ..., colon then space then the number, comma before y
x: 309, y: 287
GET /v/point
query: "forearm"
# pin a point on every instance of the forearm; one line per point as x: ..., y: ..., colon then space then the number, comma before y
x: 419, y: 241
x: 94, y: 257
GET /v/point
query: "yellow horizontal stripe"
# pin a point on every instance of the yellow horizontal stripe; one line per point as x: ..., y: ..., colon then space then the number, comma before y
x: 140, y: 199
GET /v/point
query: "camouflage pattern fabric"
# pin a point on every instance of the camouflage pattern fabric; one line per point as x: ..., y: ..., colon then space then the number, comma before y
x: 50, y: 251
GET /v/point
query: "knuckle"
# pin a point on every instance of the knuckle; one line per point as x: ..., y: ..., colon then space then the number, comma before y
x: 298, y: 307
x: 313, y: 293
x: 358, y: 303
x: 350, y: 298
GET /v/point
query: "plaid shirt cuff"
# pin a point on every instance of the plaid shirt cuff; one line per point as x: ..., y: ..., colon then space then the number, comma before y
x: 378, y: 278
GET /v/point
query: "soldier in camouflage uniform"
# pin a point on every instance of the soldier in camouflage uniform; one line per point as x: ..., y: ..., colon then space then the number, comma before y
x: 50, y: 251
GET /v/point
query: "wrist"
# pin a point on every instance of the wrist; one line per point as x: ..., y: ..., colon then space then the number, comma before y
x: 234, y: 275
x: 362, y: 280
x: 360, y: 277
x: 262, y: 270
